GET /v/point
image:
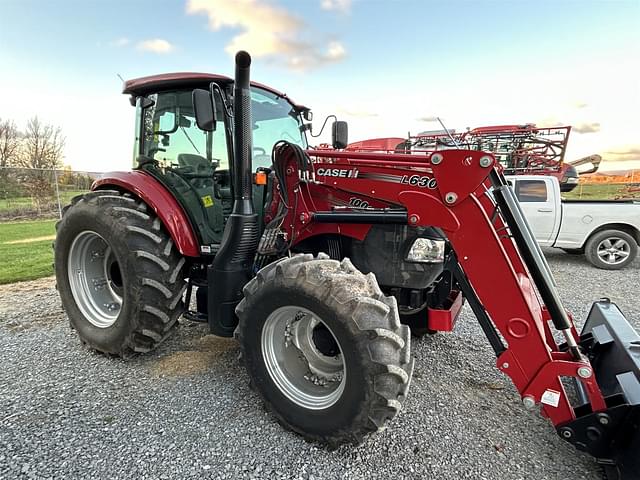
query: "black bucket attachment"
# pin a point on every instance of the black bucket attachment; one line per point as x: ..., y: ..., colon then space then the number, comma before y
x: 611, y: 436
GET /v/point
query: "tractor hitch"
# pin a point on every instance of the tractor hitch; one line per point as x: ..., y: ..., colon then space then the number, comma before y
x: 612, y: 436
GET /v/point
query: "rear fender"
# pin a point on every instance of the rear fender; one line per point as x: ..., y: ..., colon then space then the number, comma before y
x: 165, y: 206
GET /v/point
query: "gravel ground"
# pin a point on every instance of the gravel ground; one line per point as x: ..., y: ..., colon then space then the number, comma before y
x: 185, y: 411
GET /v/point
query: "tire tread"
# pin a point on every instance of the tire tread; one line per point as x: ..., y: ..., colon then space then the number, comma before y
x: 154, y: 268
x: 373, y: 323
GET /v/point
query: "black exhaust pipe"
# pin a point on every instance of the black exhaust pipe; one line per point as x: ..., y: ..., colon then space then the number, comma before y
x: 232, y: 267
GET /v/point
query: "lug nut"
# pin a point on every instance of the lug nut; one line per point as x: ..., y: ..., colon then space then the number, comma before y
x: 485, y: 161
x: 450, y: 197
x: 436, y: 158
x: 567, y: 433
x: 529, y: 402
x: 584, y: 372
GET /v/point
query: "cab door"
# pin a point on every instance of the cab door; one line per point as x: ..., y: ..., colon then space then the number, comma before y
x: 191, y: 163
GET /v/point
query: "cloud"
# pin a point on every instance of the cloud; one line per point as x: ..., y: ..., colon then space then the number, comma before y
x: 427, y: 119
x: 343, y: 6
x: 587, y: 127
x: 358, y: 113
x: 155, y: 45
x: 625, y: 153
x: 119, y: 42
x: 268, y: 31
x: 309, y: 58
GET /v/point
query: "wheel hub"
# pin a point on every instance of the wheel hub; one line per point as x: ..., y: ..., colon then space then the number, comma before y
x: 95, y: 279
x: 613, y: 250
x: 303, y: 357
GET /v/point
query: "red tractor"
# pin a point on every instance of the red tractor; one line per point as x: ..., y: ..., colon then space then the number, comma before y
x: 315, y: 257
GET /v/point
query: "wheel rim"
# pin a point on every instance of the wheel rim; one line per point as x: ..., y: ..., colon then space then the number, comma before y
x: 303, y: 357
x: 613, y: 250
x: 95, y: 279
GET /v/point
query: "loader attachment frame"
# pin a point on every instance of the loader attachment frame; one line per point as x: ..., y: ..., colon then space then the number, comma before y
x: 464, y: 194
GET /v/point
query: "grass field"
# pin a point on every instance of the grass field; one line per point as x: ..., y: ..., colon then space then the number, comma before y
x: 7, y: 204
x: 600, y: 191
x: 25, y: 250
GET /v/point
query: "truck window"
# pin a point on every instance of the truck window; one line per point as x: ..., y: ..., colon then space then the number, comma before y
x: 531, y: 190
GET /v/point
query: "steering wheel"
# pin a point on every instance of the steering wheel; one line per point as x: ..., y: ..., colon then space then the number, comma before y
x: 260, y: 150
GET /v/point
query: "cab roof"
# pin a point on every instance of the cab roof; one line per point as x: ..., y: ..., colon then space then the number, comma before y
x: 168, y: 81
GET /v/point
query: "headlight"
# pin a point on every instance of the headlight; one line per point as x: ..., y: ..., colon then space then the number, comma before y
x: 573, y: 180
x: 426, y: 250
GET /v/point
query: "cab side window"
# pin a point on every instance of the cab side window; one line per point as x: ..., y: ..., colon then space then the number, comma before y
x: 171, y: 136
x: 531, y: 190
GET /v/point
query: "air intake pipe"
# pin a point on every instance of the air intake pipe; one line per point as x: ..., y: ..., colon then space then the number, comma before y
x: 232, y: 267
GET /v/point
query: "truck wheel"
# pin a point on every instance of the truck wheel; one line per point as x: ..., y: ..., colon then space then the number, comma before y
x: 118, y: 274
x: 611, y: 249
x: 324, y: 348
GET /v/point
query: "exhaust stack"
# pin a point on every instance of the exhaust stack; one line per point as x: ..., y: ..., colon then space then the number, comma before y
x: 242, y: 141
x: 233, y: 264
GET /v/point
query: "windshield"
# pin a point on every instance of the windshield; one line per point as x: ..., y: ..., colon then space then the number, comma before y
x: 274, y: 119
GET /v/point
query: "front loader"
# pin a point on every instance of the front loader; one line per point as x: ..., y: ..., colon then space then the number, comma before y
x: 321, y: 262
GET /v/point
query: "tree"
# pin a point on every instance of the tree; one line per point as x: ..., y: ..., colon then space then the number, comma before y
x: 42, y: 145
x: 41, y: 150
x: 9, y: 143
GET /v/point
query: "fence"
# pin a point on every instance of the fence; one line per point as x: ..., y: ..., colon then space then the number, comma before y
x: 27, y: 193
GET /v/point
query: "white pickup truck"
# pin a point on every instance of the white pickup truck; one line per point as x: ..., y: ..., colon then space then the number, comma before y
x: 607, y: 232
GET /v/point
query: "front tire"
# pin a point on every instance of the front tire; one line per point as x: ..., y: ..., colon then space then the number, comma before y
x: 118, y: 273
x: 611, y: 249
x: 324, y: 348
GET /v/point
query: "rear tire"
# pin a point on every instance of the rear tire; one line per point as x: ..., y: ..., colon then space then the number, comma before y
x: 368, y: 362
x: 611, y: 249
x: 119, y: 276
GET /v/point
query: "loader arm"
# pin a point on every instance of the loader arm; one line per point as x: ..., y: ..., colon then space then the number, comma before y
x: 464, y: 193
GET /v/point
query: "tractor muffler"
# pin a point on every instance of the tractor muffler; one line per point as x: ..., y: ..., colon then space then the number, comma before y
x: 232, y: 267
x: 612, y: 436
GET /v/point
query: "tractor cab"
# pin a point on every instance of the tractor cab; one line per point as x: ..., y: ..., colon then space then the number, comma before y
x: 194, y: 164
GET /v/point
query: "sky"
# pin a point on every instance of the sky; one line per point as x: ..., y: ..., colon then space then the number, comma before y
x: 386, y: 67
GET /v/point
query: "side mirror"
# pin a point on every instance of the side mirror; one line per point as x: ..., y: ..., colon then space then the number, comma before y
x: 204, y: 109
x: 339, y: 135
